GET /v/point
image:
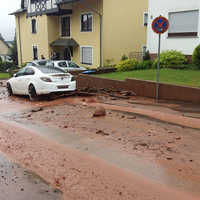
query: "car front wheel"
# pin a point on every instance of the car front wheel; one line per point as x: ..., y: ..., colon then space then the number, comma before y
x: 9, y: 89
x: 32, y: 93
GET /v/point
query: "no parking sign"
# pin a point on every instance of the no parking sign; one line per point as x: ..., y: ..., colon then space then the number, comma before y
x: 159, y: 25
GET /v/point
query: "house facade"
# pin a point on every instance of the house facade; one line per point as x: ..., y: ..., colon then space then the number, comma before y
x: 4, y: 49
x: 184, y: 26
x: 88, y: 32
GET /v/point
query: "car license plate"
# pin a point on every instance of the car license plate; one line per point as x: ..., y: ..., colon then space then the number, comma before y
x: 62, y: 86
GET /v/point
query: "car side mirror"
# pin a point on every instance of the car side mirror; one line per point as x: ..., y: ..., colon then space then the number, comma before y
x: 14, y: 75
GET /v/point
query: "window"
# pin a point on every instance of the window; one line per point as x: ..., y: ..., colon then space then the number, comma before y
x: 29, y: 71
x: 87, y: 55
x: 35, y: 53
x: 86, y: 22
x: 33, y: 25
x: 145, y: 19
x: 65, y: 26
x: 183, y: 23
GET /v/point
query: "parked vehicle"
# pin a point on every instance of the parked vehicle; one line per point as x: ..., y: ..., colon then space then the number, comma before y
x: 39, y: 80
x: 37, y: 63
x: 67, y: 66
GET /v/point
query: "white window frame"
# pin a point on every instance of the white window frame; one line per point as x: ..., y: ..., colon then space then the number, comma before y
x: 145, y: 13
x: 33, y: 46
x: 85, y: 13
x: 181, y: 11
x: 35, y: 25
x: 81, y: 55
x: 63, y: 16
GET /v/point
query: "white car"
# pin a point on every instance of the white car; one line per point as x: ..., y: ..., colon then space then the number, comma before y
x: 37, y: 63
x: 67, y: 66
x: 40, y: 80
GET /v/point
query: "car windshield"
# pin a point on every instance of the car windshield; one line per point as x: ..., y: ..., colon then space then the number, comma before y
x: 73, y: 65
x: 50, y: 70
x: 42, y: 62
x: 62, y: 64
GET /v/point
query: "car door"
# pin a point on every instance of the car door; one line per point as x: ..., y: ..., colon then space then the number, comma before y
x: 28, y: 76
x: 16, y: 81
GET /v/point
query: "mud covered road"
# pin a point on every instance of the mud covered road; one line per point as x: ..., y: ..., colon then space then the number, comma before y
x: 119, y: 156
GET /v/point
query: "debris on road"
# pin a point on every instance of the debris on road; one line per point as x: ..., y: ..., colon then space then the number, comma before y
x: 99, y: 112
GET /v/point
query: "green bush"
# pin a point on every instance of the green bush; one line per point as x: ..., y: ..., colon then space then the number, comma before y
x: 127, y: 65
x: 124, y: 57
x: 147, y: 64
x: 170, y: 58
x: 6, y: 66
x: 196, y: 56
x: 0, y: 60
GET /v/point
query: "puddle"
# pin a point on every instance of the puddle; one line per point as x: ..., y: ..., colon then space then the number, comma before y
x: 16, y: 183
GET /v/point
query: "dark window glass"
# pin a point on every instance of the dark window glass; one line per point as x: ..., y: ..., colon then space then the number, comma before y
x: 50, y: 70
x: 86, y: 22
x: 35, y: 53
x: 33, y: 22
x: 65, y: 26
x: 29, y: 71
x: 73, y: 65
x: 62, y: 64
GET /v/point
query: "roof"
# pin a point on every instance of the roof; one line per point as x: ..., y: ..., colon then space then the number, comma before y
x: 64, y: 43
x: 66, y: 1
x: 21, y: 10
x: 2, y: 39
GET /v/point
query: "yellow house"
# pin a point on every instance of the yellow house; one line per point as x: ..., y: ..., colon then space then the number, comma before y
x: 4, y: 49
x: 88, y: 32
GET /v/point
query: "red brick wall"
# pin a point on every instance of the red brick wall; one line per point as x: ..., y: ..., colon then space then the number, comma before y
x: 142, y: 88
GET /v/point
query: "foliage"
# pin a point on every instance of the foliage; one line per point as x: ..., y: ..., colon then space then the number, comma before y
x: 147, y: 64
x: 186, y: 77
x: 4, y: 66
x: 170, y: 58
x: 13, y: 51
x: 109, y: 62
x: 196, y: 56
x: 124, y: 57
x: 127, y: 65
x: 0, y: 60
x: 146, y: 56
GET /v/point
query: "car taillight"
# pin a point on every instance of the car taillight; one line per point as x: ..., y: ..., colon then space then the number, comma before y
x: 73, y: 79
x: 46, y: 79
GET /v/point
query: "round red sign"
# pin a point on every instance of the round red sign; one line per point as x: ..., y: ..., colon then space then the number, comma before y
x: 160, y: 25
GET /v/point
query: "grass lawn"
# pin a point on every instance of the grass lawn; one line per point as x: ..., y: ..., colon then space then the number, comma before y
x: 171, y: 76
x: 4, y: 75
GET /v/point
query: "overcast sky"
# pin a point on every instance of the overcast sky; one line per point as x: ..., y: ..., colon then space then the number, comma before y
x: 7, y: 22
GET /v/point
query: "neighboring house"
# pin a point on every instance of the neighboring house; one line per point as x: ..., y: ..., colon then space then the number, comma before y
x: 89, y: 32
x: 184, y: 28
x: 4, y: 49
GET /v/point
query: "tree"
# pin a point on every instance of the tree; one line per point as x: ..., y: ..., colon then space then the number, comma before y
x: 13, y: 51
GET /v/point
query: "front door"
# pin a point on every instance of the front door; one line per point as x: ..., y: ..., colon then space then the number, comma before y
x: 67, y: 54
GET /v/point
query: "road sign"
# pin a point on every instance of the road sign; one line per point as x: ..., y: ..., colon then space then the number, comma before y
x: 160, y: 25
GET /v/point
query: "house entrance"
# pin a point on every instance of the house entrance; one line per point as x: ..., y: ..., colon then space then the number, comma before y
x: 68, y: 53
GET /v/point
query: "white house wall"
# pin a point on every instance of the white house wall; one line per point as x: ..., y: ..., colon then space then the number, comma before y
x: 163, y: 7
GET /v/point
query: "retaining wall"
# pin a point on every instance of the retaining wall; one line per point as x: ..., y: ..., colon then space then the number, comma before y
x: 142, y: 88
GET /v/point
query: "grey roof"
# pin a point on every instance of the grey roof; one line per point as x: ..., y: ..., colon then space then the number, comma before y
x: 18, y: 11
x: 64, y: 43
x: 2, y: 39
x: 65, y: 1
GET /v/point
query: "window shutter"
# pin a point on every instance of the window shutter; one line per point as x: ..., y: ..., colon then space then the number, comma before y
x: 184, y: 22
x: 87, y: 55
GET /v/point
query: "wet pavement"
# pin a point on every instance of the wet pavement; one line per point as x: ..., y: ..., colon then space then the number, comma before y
x: 162, y: 153
x: 17, y: 183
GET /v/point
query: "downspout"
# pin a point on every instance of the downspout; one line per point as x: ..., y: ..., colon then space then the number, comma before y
x: 20, y: 44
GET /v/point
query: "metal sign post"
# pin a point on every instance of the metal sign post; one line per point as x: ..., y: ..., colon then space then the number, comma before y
x: 158, y: 69
x: 159, y: 25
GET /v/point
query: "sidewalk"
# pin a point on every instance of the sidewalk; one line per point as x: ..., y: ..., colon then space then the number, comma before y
x: 160, y: 116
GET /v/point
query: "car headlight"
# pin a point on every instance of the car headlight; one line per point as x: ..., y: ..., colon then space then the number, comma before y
x: 46, y: 79
x: 73, y: 79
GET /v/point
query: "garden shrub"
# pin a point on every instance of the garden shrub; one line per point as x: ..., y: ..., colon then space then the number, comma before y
x: 127, y: 65
x: 196, y: 56
x: 170, y: 58
x: 5, y: 66
x: 146, y: 64
x: 124, y: 57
